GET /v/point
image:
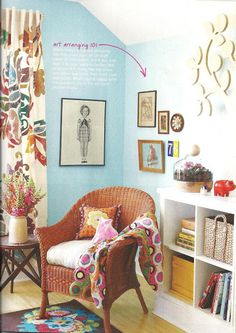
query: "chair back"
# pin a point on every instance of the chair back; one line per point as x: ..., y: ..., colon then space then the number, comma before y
x: 134, y: 202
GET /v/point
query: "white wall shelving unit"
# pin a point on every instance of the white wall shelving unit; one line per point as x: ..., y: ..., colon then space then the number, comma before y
x: 175, y: 205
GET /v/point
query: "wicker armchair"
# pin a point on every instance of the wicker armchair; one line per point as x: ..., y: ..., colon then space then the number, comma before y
x: 120, y: 266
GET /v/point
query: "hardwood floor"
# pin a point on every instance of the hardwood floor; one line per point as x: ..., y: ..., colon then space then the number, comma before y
x: 126, y: 312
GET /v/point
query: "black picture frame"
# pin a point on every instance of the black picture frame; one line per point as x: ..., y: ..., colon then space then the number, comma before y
x: 82, y: 132
x: 147, y: 103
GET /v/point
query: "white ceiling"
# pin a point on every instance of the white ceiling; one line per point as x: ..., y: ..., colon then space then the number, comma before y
x: 136, y: 21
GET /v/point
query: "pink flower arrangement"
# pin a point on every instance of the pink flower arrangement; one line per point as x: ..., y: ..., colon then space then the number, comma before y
x: 194, y: 172
x: 19, y: 194
x: 191, y: 165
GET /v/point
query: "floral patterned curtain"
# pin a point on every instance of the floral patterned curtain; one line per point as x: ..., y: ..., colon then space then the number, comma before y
x: 22, y: 113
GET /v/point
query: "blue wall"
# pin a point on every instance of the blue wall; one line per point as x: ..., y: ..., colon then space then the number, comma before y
x: 166, y: 60
x: 68, y: 21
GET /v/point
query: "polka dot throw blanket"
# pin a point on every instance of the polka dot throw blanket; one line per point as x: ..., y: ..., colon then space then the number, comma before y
x: 89, y: 276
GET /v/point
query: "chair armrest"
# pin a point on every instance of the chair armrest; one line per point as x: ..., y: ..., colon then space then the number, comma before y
x: 120, y: 267
x: 122, y: 253
x: 62, y: 231
x: 121, y: 244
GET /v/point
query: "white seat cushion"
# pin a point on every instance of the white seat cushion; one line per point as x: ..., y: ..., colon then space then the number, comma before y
x: 67, y: 254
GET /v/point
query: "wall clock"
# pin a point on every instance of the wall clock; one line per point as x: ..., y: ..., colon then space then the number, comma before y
x: 177, y: 122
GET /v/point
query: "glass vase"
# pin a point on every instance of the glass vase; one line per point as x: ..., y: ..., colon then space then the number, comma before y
x: 191, y: 175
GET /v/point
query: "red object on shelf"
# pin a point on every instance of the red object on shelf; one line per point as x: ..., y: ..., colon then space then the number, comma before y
x: 223, y: 187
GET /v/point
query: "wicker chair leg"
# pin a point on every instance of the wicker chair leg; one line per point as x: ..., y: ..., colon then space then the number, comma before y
x: 44, y: 303
x: 141, y: 299
x: 106, y: 320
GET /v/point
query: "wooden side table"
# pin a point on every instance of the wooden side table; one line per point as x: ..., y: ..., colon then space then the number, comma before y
x: 14, y: 260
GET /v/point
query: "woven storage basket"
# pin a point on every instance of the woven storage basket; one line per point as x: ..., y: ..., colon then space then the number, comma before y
x: 218, y: 238
x: 229, y: 244
x: 209, y: 236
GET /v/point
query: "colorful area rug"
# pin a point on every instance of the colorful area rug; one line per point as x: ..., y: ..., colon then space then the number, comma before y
x: 70, y: 317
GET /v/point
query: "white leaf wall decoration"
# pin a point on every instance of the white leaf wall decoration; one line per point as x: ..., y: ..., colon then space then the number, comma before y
x: 212, y: 64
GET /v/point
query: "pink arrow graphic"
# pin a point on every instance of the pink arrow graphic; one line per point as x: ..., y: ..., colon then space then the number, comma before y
x: 143, y: 71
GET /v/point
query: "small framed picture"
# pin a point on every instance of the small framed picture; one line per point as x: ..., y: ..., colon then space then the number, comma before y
x: 163, y: 122
x: 147, y: 108
x: 82, y: 139
x: 151, y: 155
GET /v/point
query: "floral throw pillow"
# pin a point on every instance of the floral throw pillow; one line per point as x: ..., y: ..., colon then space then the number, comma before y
x: 90, y: 219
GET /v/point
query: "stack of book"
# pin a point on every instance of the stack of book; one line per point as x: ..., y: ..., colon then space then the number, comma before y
x: 186, y: 238
x: 217, y: 295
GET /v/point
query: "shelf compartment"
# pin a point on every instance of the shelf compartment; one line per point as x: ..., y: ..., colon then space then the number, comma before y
x: 203, y: 270
x: 182, y: 276
x: 168, y: 253
x: 173, y: 213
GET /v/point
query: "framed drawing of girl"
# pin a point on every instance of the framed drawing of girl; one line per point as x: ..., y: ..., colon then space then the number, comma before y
x: 82, y: 137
